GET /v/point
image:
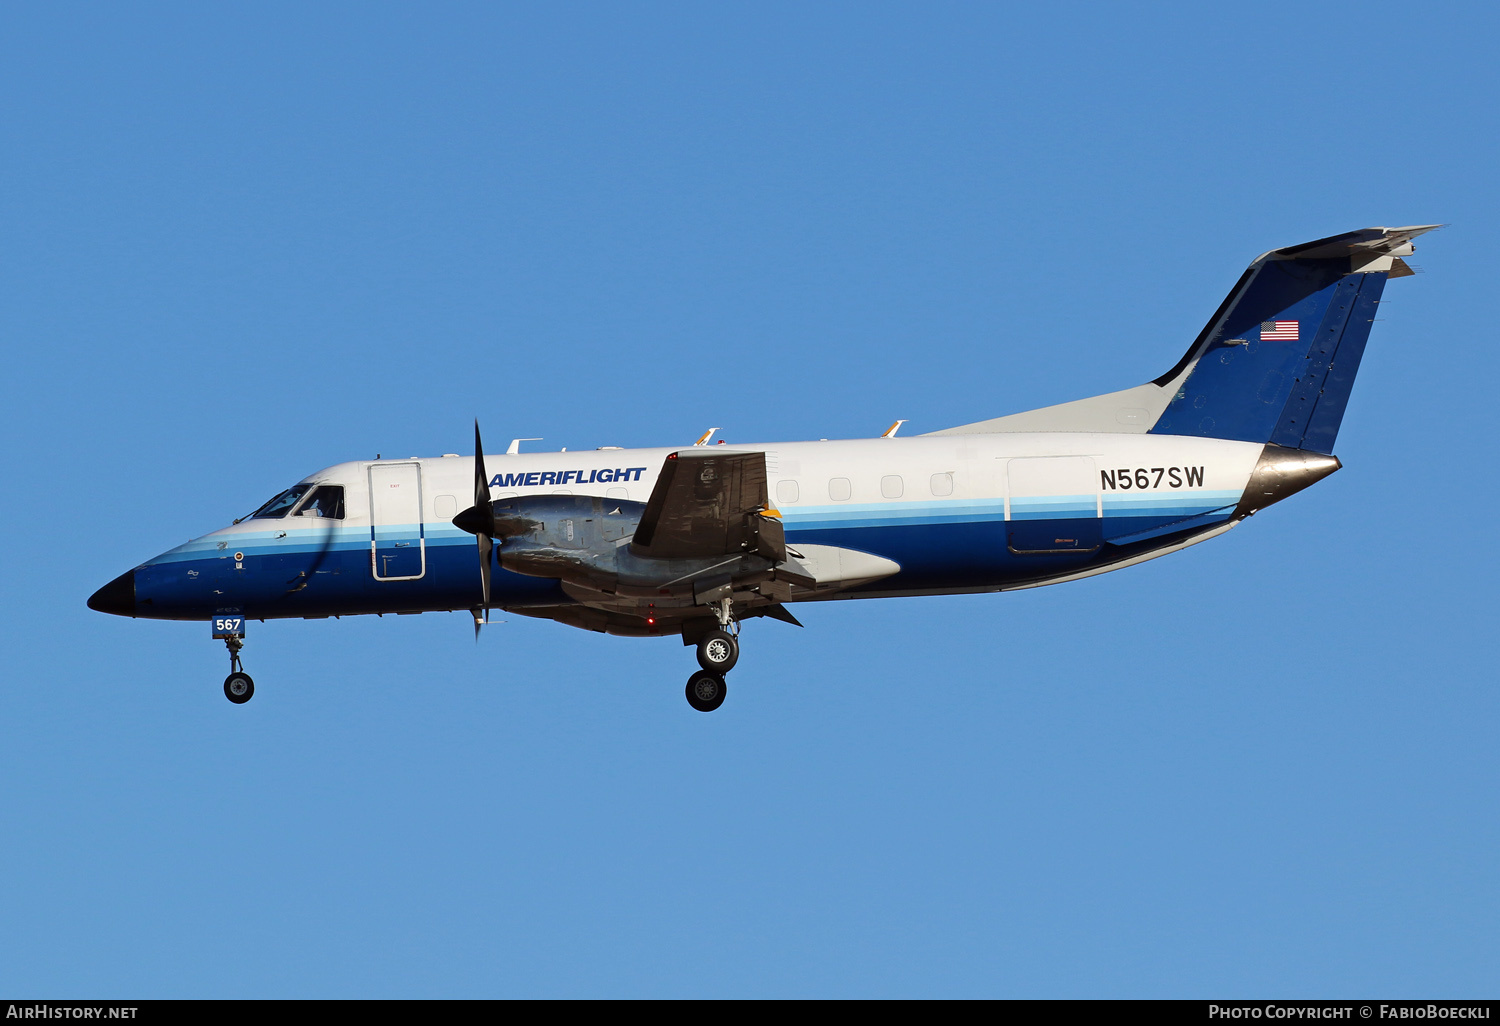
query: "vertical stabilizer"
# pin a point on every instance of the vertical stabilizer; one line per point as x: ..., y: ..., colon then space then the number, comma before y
x: 1275, y: 363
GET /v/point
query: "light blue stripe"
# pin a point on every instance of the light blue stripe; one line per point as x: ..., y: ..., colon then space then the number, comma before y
x: 897, y: 513
x: 1043, y: 507
x: 1197, y: 498
x: 901, y: 512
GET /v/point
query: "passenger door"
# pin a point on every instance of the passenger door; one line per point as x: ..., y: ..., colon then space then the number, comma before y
x: 398, y: 550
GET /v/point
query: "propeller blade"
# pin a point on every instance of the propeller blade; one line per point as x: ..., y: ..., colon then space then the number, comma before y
x: 480, y: 520
x: 486, y: 513
x: 486, y: 546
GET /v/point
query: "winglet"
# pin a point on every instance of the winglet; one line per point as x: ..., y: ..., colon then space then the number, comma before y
x: 890, y: 432
x: 515, y: 445
x: 706, y: 436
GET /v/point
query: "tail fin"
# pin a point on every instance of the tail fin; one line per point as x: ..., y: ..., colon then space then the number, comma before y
x: 1275, y: 363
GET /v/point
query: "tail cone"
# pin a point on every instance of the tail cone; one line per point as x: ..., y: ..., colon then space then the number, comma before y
x: 1282, y: 472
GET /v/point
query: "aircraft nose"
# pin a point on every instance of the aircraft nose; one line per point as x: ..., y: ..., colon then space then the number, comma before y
x: 118, y: 596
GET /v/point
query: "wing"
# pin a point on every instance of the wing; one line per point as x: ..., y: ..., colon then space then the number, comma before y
x: 710, y: 503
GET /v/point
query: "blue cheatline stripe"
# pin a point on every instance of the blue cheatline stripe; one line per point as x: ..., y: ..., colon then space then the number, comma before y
x: 892, y: 514
x: 293, y: 581
x: 801, y: 518
x: 253, y: 543
x: 262, y: 543
x: 855, y: 510
x: 1054, y: 507
x: 1125, y: 531
x: 1159, y: 504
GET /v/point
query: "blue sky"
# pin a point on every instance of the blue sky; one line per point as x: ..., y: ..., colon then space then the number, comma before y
x: 242, y: 244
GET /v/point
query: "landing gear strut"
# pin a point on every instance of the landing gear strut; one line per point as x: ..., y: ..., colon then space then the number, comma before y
x: 238, y: 687
x: 718, y: 651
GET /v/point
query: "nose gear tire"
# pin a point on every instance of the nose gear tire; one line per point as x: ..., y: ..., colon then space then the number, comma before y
x: 239, y: 688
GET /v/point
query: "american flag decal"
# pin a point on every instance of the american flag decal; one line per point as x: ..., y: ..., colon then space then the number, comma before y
x: 1278, y: 331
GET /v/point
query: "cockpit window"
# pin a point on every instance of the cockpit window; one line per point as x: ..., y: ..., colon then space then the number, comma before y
x: 325, y: 501
x: 282, y: 504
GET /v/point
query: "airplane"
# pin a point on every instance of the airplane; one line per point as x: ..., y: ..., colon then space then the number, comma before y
x: 693, y: 541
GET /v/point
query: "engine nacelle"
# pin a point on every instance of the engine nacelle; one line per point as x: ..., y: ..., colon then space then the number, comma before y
x: 569, y: 537
x: 584, y: 539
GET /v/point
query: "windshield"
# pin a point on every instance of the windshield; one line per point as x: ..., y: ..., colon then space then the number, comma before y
x: 282, y: 504
x: 326, y: 501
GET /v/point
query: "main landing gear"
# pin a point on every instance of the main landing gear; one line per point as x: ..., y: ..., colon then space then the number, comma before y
x: 718, y: 651
x: 238, y: 687
x: 706, y: 691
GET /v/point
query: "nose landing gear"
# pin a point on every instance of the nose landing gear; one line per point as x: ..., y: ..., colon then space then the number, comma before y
x: 238, y: 687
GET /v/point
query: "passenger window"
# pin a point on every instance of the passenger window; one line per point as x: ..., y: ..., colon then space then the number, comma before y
x: 445, y: 506
x: 890, y: 486
x: 786, y: 491
x: 942, y: 484
x: 326, y: 501
x: 838, y: 489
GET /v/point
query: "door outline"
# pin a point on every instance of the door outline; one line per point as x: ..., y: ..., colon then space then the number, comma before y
x: 376, y: 525
x: 1095, y: 530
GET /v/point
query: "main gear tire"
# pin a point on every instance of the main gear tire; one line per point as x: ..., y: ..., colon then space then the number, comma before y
x: 718, y: 651
x: 706, y: 691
